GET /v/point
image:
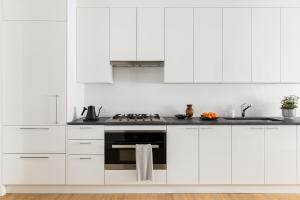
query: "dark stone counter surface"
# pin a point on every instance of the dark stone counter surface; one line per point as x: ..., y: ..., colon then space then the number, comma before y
x: 194, y: 121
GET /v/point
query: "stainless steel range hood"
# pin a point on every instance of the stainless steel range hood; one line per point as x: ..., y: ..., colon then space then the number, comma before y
x: 137, y: 63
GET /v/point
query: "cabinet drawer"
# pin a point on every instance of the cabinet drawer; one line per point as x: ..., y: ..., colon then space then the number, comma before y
x: 119, y: 177
x: 34, y: 139
x: 86, y: 132
x: 32, y: 169
x: 86, y: 146
x: 85, y: 170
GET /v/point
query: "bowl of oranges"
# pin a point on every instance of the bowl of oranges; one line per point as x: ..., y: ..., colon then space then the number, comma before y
x: 209, y: 116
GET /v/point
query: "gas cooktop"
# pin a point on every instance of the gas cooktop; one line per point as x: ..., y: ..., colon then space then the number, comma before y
x: 137, y: 118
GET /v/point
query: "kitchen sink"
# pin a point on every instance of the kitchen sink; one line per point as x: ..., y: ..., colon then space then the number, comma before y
x: 253, y: 119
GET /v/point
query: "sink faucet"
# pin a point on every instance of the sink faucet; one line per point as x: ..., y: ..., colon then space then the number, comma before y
x: 245, y: 107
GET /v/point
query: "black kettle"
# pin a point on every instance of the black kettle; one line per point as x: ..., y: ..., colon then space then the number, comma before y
x: 91, y: 113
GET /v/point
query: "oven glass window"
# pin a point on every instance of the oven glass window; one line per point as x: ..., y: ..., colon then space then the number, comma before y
x: 126, y: 155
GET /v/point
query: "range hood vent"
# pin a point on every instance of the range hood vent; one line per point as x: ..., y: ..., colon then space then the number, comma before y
x: 137, y: 63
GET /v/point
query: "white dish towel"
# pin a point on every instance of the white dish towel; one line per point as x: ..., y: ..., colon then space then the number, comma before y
x: 144, y: 162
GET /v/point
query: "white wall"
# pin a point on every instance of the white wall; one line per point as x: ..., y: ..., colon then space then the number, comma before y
x: 140, y: 90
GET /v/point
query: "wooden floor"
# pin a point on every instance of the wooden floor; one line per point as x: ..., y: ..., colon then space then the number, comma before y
x: 153, y: 197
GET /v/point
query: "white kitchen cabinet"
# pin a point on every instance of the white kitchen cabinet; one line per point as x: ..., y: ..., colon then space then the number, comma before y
x: 128, y: 177
x: 34, y: 169
x: 123, y: 34
x: 290, y: 26
x: 55, y: 10
x: 34, y: 81
x: 179, y: 42
x: 237, y: 45
x: 208, y: 45
x: 34, y: 139
x: 215, y: 155
x: 248, y: 154
x: 85, y: 132
x: 281, y: 155
x: 93, y: 64
x: 150, y: 34
x: 266, y: 45
x: 182, y: 155
x: 85, y: 170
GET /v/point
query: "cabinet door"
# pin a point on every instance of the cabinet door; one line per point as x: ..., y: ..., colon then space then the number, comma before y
x: 150, y: 34
x: 215, y: 155
x: 85, y: 170
x: 281, y: 155
x: 298, y: 154
x: 93, y: 46
x: 248, y: 155
x: 35, y: 10
x: 182, y: 155
x: 266, y: 45
x: 290, y: 45
x: 207, y: 45
x: 34, y: 60
x: 122, y: 34
x: 179, y: 45
x: 237, y: 45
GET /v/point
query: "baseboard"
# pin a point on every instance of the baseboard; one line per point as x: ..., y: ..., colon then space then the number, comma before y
x: 156, y: 189
x: 2, y: 190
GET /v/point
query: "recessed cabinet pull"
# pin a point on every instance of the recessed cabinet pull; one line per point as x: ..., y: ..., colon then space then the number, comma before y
x: 206, y: 128
x: 85, y: 158
x: 85, y: 143
x: 34, y: 128
x: 256, y: 128
x: 195, y: 128
x: 85, y: 127
x: 34, y: 157
x: 272, y: 128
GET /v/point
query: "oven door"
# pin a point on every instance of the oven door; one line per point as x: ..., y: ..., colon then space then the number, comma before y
x: 120, y: 148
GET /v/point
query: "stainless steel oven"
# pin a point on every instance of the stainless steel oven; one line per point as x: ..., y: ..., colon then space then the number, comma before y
x: 120, y: 144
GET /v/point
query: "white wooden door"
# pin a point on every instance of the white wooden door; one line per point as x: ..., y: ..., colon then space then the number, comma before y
x: 290, y: 44
x: 182, y: 155
x: 208, y: 45
x: 266, y: 45
x: 237, y: 45
x: 248, y: 154
x: 55, y: 10
x: 179, y: 45
x: 215, y: 155
x: 281, y: 155
x: 34, y: 60
x: 122, y: 34
x: 93, y: 64
x: 150, y: 34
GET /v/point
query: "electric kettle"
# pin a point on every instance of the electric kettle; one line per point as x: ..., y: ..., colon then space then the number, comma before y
x: 91, y: 113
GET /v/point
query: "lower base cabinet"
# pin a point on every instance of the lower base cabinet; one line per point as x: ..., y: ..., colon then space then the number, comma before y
x: 34, y: 169
x: 127, y: 177
x: 85, y: 170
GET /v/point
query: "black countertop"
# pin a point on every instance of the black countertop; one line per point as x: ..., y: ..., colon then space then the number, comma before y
x: 194, y: 121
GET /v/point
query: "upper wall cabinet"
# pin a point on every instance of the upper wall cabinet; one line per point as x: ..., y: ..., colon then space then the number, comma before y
x: 237, y: 45
x: 122, y: 34
x: 55, y: 10
x: 179, y: 43
x: 207, y: 45
x: 93, y: 65
x: 150, y: 34
x: 290, y: 68
x: 266, y: 45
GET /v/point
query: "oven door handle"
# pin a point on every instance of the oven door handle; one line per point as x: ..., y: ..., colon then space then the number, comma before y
x: 130, y: 146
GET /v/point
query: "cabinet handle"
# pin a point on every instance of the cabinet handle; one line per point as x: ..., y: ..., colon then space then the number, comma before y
x: 191, y: 128
x: 206, y: 128
x: 272, y: 128
x: 34, y: 128
x: 85, y: 143
x: 85, y: 158
x: 130, y: 146
x: 85, y: 127
x: 256, y: 128
x: 33, y: 157
x: 56, y: 109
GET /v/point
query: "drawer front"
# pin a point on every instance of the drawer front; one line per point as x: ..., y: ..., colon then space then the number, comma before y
x: 86, y: 132
x: 34, y: 139
x: 85, y: 170
x: 86, y: 146
x: 119, y: 177
x: 32, y: 169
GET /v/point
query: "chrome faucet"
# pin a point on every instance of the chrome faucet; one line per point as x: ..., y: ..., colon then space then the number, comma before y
x: 245, y: 107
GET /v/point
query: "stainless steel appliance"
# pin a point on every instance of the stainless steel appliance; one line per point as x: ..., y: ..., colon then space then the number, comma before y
x: 120, y: 144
